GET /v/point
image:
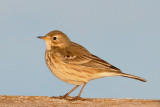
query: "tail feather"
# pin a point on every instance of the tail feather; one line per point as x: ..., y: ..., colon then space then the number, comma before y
x: 133, y: 77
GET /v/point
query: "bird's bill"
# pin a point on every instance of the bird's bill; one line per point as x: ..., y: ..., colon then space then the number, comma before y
x: 42, y: 37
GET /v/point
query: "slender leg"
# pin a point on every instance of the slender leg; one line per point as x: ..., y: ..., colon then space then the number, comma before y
x: 81, y: 90
x: 78, y: 97
x: 70, y: 91
x: 66, y: 95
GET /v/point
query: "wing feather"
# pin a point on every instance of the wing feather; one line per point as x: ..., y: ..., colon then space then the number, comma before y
x: 91, y: 61
x: 80, y: 56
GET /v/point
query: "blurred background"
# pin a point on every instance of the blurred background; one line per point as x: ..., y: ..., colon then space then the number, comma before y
x: 124, y: 33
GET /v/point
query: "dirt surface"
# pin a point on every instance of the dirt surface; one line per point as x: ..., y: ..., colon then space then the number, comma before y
x: 44, y: 101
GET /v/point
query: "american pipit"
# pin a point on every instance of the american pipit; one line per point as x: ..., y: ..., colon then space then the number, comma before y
x: 74, y: 64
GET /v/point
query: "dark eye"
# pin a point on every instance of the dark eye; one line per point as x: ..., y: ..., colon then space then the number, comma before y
x: 54, y: 38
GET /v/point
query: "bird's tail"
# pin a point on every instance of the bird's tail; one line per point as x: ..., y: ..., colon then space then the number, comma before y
x: 133, y: 77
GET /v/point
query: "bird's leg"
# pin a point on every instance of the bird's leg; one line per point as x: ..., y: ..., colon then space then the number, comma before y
x: 66, y: 95
x: 78, y: 97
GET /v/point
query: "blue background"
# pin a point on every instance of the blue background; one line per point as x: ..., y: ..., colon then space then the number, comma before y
x: 125, y: 33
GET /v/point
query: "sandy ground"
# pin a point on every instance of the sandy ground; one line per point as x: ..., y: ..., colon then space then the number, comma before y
x: 44, y: 101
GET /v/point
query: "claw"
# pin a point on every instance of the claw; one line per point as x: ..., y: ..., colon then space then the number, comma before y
x: 59, y: 97
x: 77, y: 98
x: 63, y: 97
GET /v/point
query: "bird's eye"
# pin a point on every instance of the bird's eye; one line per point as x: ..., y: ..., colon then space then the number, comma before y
x: 54, y: 38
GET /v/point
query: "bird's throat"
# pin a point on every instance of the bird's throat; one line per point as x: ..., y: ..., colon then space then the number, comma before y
x: 48, y: 45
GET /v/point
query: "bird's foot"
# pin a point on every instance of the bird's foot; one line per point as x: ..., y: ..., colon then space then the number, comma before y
x: 77, y: 98
x: 63, y: 97
x: 69, y: 98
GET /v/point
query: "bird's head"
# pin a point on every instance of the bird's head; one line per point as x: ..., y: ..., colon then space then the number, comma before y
x: 55, y: 39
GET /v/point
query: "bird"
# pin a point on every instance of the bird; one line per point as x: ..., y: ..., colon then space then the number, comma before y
x: 74, y: 64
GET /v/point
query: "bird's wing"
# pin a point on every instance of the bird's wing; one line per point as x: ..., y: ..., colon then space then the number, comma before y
x: 91, y: 61
x: 103, y: 63
x: 78, y: 55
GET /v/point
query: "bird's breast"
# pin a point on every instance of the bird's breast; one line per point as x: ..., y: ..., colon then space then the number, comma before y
x: 64, y: 71
x: 53, y: 60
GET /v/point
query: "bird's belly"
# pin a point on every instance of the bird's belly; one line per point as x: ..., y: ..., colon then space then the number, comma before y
x: 65, y: 73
